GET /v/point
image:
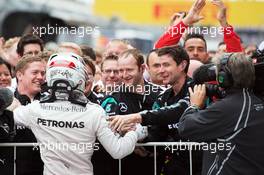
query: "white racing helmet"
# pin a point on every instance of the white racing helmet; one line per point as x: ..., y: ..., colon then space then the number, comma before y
x: 67, y: 69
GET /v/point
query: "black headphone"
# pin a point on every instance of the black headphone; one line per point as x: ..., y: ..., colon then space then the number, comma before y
x: 224, y: 76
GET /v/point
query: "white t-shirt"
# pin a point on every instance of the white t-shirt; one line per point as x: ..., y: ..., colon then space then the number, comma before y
x: 67, y: 132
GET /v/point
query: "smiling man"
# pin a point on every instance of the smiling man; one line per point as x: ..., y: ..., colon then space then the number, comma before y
x: 196, y: 47
x: 110, y: 73
x: 135, y: 94
x: 29, y: 44
x: 131, y: 68
x: 153, y: 66
x: 30, y: 74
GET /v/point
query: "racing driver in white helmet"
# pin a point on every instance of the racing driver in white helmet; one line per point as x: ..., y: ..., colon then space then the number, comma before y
x: 66, y: 124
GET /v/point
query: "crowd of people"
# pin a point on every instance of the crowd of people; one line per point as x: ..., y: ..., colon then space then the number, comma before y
x: 120, y: 97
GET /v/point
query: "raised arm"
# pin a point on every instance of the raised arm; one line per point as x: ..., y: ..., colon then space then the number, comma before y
x: 174, y: 33
x: 231, y: 39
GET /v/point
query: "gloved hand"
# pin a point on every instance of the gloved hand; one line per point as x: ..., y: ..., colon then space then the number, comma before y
x: 142, y: 131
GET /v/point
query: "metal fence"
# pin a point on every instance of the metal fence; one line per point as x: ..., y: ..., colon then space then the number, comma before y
x: 168, y: 145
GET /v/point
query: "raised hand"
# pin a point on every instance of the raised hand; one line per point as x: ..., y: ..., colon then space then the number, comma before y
x: 193, y: 15
x: 176, y: 18
x: 221, y: 15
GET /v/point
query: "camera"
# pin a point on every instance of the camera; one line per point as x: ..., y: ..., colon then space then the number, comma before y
x: 206, y: 74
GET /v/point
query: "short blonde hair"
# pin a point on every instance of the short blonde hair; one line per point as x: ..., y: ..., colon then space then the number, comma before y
x: 45, y: 55
x: 70, y: 45
x: 23, y: 63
